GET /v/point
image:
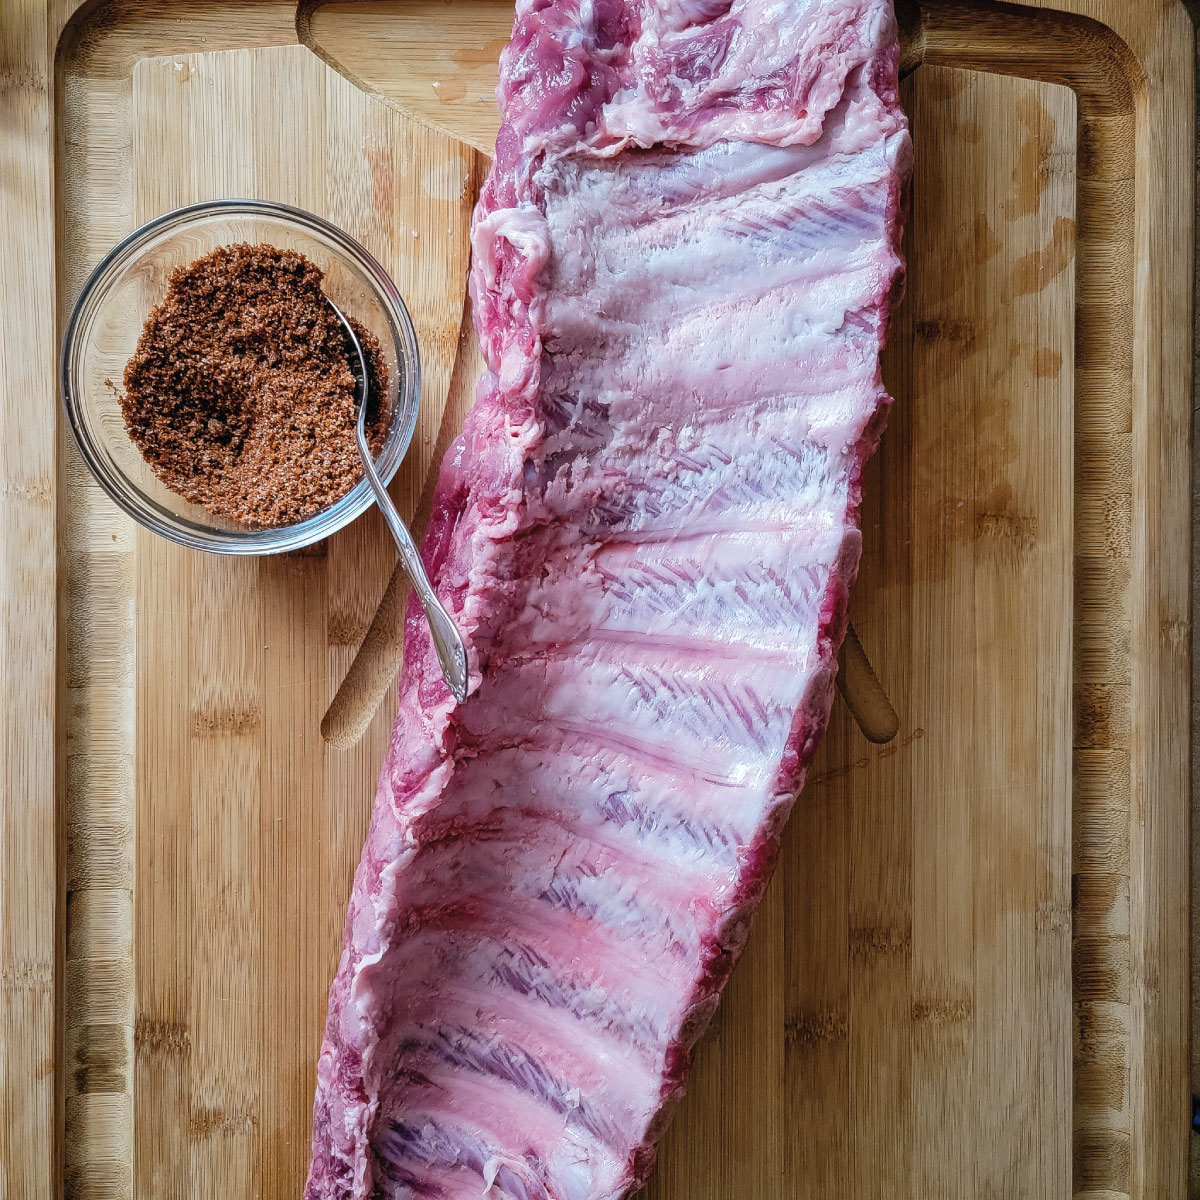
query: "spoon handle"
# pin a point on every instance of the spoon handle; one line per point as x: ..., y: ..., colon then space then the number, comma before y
x: 447, y: 641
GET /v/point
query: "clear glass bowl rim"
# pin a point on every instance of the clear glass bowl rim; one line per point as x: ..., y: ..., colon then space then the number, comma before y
x: 274, y: 540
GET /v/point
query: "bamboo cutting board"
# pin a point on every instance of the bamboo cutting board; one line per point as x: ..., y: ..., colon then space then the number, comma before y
x: 971, y: 975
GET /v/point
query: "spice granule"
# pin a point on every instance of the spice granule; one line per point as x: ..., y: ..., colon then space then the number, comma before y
x: 240, y: 393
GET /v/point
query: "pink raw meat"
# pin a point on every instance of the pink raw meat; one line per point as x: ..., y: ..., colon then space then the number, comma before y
x: 684, y: 259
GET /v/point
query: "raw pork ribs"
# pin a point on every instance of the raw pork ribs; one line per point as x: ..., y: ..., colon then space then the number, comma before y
x: 683, y: 264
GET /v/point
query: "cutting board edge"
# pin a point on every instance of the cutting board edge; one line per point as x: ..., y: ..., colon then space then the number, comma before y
x: 34, y: 978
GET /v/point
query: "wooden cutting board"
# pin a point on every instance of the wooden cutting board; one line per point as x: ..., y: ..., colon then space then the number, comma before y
x: 971, y: 975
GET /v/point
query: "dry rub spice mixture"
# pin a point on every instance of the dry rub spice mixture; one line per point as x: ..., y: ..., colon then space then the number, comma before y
x: 240, y: 394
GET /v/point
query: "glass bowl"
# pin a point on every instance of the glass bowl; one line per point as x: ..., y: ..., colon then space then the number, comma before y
x: 107, y: 320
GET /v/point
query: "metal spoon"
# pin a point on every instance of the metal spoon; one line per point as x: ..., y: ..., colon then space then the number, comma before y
x: 447, y: 641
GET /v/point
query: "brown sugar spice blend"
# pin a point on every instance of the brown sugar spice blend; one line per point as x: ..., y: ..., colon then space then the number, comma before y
x: 240, y: 395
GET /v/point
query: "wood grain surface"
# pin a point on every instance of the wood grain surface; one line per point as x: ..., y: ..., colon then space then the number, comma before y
x: 970, y: 977
x: 271, y: 820
x: 29, y: 920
